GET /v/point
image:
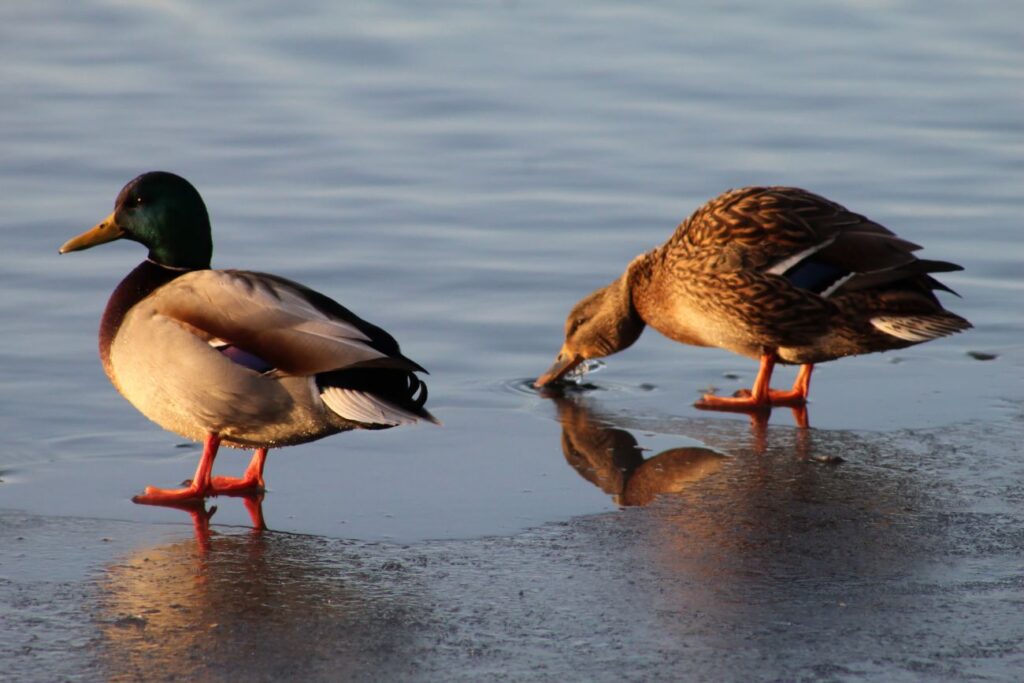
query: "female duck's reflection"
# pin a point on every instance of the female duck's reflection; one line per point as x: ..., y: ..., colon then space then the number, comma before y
x: 611, y: 459
x: 758, y: 518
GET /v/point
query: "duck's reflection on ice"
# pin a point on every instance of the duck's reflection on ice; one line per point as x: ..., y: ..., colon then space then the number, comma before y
x: 201, y: 514
x: 240, y: 604
x: 611, y: 459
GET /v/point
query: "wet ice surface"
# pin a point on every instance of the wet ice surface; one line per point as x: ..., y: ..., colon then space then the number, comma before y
x: 461, y: 177
x: 901, y: 564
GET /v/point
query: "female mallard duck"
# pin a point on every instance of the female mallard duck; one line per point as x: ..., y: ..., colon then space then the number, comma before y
x: 774, y: 273
x: 246, y: 359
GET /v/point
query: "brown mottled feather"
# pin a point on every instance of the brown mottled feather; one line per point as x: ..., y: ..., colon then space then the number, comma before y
x: 770, y: 310
x: 756, y: 227
x: 775, y: 270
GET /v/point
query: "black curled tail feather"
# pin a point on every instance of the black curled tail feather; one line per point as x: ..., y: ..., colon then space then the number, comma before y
x: 401, y: 388
x: 417, y: 390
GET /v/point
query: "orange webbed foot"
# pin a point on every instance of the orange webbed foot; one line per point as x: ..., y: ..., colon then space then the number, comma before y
x: 742, y: 401
x: 190, y: 495
x: 203, y: 484
x: 194, y: 491
x: 250, y: 482
x: 235, y: 486
x: 797, y: 396
x: 792, y: 398
x: 761, y: 397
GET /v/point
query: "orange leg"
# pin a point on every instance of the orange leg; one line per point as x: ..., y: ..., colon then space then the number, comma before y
x: 250, y: 482
x: 800, y: 417
x: 204, y: 484
x: 761, y: 396
x: 254, y: 505
x: 200, y: 523
x: 196, y: 490
x: 797, y: 396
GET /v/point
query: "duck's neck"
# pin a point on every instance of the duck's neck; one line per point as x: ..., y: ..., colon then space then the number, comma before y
x: 140, y: 283
x: 637, y: 281
x: 623, y: 322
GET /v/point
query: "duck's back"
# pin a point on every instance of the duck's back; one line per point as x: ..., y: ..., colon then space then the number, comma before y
x: 772, y: 228
x: 781, y: 267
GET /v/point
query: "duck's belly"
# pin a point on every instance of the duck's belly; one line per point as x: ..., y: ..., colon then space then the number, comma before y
x: 187, y: 387
x: 843, y: 340
x: 748, y: 314
x: 684, y: 322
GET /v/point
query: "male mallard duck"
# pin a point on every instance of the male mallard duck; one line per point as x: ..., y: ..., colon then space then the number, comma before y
x: 250, y: 360
x: 773, y: 273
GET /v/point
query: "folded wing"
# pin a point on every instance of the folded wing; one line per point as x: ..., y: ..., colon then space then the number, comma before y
x: 290, y: 327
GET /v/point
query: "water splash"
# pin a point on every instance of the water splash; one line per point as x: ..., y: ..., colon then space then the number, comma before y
x: 577, y: 374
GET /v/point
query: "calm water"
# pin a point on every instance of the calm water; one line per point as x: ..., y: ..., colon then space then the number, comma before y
x: 461, y: 175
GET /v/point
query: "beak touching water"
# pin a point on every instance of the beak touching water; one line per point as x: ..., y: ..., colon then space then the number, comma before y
x: 106, y: 231
x: 564, y: 363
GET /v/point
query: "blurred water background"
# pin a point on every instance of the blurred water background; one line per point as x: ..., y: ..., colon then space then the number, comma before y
x: 460, y: 173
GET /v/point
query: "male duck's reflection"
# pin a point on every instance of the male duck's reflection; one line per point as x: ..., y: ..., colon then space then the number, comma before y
x: 611, y: 459
x: 243, y: 606
x: 201, y: 514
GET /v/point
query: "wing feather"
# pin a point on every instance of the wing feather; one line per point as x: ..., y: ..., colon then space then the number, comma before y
x: 773, y: 228
x: 273, y: 319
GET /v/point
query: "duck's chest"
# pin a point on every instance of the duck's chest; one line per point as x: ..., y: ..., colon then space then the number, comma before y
x: 136, y: 286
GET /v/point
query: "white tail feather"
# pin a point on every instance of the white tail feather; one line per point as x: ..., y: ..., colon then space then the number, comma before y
x: 919, y: 328
x: 359, y: 406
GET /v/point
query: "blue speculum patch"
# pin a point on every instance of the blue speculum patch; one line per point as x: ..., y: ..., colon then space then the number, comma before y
x: 245, y: 359
x: 814, y: 275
